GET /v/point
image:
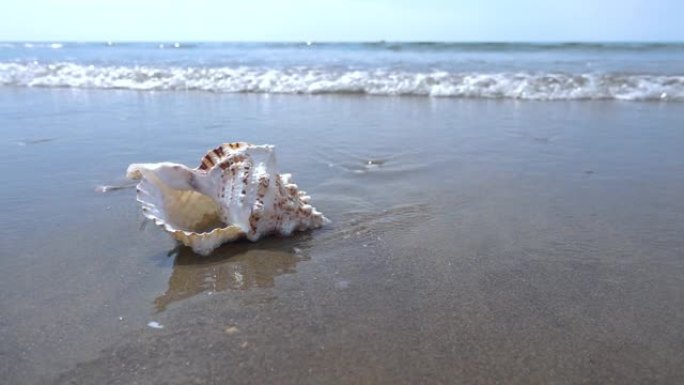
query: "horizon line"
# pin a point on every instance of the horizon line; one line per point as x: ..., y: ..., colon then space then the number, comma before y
x: 353, y: 41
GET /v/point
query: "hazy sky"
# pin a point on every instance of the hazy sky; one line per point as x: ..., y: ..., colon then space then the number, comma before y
x: 343, y: 20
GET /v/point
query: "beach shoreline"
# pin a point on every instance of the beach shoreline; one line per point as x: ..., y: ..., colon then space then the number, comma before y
x: 472, y: 241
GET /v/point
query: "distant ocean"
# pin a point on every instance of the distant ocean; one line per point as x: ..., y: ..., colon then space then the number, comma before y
x: 564, y: 71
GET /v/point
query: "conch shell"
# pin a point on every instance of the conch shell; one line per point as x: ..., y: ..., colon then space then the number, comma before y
x: 235, y: 192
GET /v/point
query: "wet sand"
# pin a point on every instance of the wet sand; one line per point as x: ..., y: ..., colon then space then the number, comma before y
x: 472, y: 242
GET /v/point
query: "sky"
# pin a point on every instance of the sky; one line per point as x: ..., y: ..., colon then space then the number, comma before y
x: 342, y: 20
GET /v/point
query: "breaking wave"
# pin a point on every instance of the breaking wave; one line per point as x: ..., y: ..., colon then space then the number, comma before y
x: 300, y: 80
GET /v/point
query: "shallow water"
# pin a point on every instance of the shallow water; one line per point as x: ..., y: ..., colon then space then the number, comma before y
x: 472, y: 241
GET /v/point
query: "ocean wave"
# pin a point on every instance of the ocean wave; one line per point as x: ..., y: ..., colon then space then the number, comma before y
x: 36, y: 45
x: 505, y: 85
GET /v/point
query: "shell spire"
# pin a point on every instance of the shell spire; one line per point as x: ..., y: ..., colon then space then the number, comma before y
x: 235, y: 192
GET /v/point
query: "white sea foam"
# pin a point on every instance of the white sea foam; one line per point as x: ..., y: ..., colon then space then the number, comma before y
x: 39, y: 45
x: 300, y: 80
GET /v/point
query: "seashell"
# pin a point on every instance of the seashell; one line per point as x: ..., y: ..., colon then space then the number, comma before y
x: 235, y: 192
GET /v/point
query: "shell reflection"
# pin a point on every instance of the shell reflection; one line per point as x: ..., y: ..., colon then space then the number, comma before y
x: 240, y: 267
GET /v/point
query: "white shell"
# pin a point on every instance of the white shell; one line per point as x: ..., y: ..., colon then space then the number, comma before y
x: 235, y: 192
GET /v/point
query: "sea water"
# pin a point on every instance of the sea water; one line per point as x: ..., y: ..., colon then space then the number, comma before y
x: 543, y: 71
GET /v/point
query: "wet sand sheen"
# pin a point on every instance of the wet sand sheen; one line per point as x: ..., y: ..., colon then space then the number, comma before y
x: 469, y: 243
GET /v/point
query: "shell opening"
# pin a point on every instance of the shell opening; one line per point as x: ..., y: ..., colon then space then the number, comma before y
x: 188, y: 210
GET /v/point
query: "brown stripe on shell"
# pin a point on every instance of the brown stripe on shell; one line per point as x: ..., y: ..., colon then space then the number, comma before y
x: 234, y: 145
x: 212, y: 157
x: 207, y: 163
x: 247, y: 175
x: 230, y: 160
x: 254, y: 222
x: 263, y: 186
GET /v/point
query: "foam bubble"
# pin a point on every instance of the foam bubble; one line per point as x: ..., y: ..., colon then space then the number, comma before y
x: 299, y: 80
